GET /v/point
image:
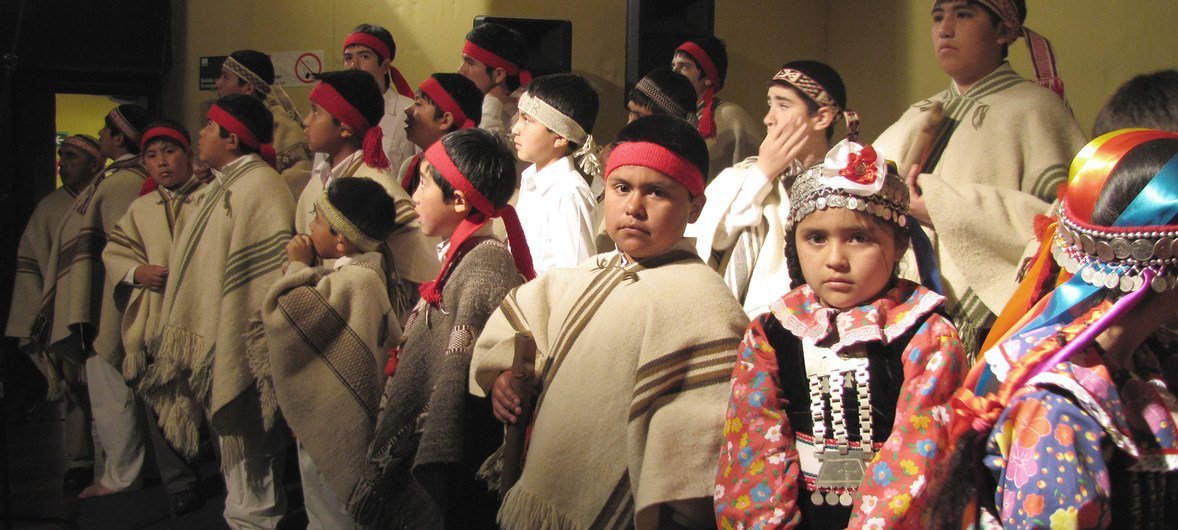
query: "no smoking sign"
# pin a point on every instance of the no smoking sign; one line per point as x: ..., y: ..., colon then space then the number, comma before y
x: 297, y: 68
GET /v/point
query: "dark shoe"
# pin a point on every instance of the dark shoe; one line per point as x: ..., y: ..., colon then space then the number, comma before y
x: 185, y: 502
x: 78, y: 477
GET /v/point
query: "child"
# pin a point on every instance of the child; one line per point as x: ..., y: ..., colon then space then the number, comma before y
x: 444, y: 103
x: 838, y: 407
x: 1069, y: 420
x: 741, y: 231
x: 372, y: 49
x: 136, y: 260
x: 431, y: 435
x: 327, y: 333
x: 557, y: 205
x: 224, y: 258
x: 662, y: 91
x: 345, y: 108
x: 732, y: 134
x: 632, y: 373
x: 1147, y: 100
x: 493, y: 58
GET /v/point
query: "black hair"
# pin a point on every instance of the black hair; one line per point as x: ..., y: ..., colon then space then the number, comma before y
x: 1148, y: 101
x: 381, y: 34
x: 258, y: 63
x: 572, y: 95
x: 137, y: 117
x: 673, y: 85
x: 718, y: 52
x: 464, y: 92
x: 485, y: 161
x: 365, y: 204
x: 361, y: 91
x: 171, y: 124
x: 995, y: 19
x: 673, y: 134
x: 504, y: 42
x: 1133, y: 171
x: 826, y: 76
x: 252, y: 113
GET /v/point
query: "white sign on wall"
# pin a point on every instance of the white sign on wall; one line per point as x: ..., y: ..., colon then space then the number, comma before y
x: 297, y: 68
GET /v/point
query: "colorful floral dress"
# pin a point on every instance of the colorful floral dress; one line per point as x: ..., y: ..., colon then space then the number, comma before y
x: 898, y: 351
x: 1085, y: 444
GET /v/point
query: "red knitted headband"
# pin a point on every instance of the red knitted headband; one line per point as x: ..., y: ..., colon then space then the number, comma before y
x: 478, y: 53
x: 432, y: 88
x: 327, y: 97
x: 234, y: 126
x: 375, y: 44
x: 440, y: 159
x: 658, y: 158
x: 705, y: 62
x: 161, y: 130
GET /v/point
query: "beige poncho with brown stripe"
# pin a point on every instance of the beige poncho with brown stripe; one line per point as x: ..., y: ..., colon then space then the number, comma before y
x: 633, y: 417
x: 229, y: 250
x: 32, y: 261
x: 1000, y: 151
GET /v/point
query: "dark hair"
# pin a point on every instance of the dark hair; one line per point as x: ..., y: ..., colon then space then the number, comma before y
x: 171, y: 124
x: 718, y: 52
x: 485, y: 161
x: 381, y: 34
x: 504, y: 42
x: 1133, y: 171
x: 464, y: 92
x: 1021, y: 5
x: 572, y: 95
x: 674, y: 134
x: 366, y: 204
x: 673, y: 85
x: 361, y: 91
x: 252, y: 113
x: 825, y: 76
x: 258, y: 63
x: 137, y: 117
x: 1149, y: 101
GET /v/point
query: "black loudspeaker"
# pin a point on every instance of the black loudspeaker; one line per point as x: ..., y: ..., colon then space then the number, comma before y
x: 654, y: 28
x: 550, y: 42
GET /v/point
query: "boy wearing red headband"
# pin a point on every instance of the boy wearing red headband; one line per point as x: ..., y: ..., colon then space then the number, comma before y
x: 994, y: 141
x: 372, y: 49
x: 226, y: 254
x: 431, y: 435
x: 79, y: 161
x: 632, y: 377
x: 136, y: 259
x: 493, y: 57
x: 72, y: 306
x: 731, y: 134
x: 341, y: 125
x: 444, y: 103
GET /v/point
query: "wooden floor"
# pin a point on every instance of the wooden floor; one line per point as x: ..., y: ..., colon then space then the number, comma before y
x: 36, y: 500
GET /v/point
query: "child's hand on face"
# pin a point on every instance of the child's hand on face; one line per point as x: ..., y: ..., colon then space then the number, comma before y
x: 151, y: 277
x: 781, y: 146
x: 300, y: 249
x: 504, y: 402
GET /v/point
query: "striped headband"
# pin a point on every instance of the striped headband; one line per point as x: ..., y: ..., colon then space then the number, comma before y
x: 231, y: 124
x: 340, y: 108
x: 482, y: 55
x: 163, y: 131
x: 658, y: 158
x: 123, y: 125
x: 371, y: 42
x: 815, y: 91
x: 238, y: 69
x: 84, y: 143
x: 655, y: 93
x: 343, y: 225
x: 442, y: 99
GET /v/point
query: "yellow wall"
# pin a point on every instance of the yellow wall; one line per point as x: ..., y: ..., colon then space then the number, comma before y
x: 82, y: 113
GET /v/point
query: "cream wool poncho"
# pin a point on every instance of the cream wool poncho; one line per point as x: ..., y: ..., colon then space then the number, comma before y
x: 1000, y: 151
x: 226, y: 255
x: 32, y: 261
x: 738, y: 136
x: 633, y: 417
x: 292, y: 154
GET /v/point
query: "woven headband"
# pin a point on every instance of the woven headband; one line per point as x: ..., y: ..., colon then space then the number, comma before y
x: 550, y: 117
x: 371, y: 42
x: 442, y: 99
x: 163, y: 131
x: 124, y: 126
x: 482, y: 55
x: 231, y: 124
x: 658, y: 158
x: 84, y: 144
x: 655, y: 94
x: 815, y: 91
x: 233, y: 65
x: 343, y: 225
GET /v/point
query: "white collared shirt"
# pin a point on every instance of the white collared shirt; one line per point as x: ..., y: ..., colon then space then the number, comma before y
x: 325, y: 172
x: 559, y: 214
x: 397, y: 146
